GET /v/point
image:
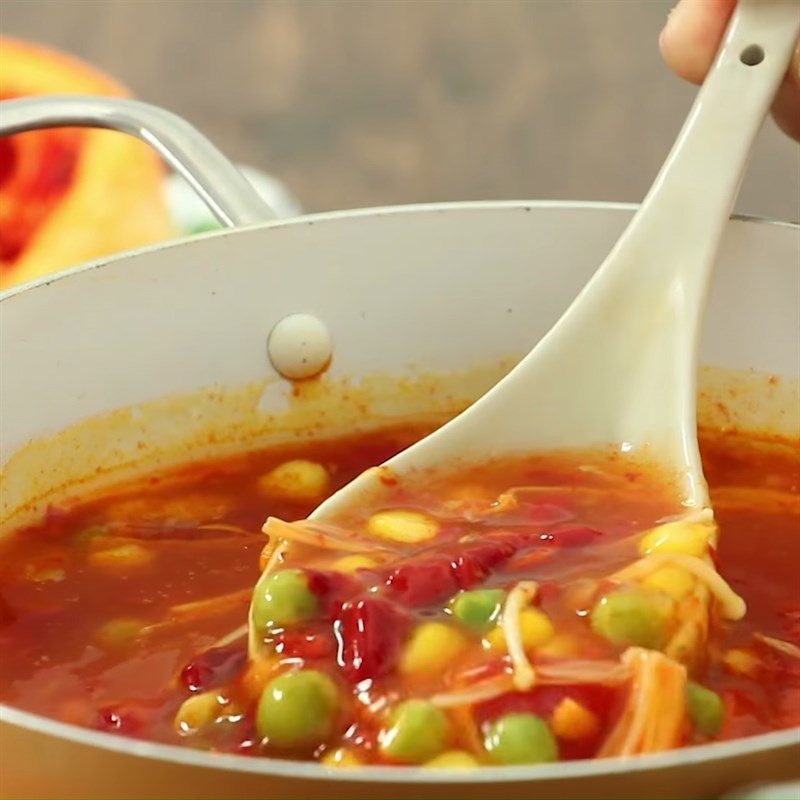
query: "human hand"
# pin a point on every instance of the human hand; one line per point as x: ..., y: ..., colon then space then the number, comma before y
x: 689, y: 43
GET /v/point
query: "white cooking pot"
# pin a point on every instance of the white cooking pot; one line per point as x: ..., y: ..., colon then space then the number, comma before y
x: 424, y: 305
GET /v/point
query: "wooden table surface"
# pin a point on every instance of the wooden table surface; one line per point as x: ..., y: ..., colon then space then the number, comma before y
x: 366, y: 102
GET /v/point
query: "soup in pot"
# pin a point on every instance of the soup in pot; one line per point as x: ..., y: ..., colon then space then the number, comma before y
x: 555, y: 607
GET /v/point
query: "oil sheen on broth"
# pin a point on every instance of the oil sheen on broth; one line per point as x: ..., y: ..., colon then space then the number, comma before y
x: 552, y: 608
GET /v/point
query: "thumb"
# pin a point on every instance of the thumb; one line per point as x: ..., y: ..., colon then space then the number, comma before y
x: 786, y: 109
x: 692, y: 35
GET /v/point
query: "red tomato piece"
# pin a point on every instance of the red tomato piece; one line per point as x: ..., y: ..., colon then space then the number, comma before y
x: 215, y: 667
x: 296, y: 644
x: 546, y: 514
x: 744, y: 714
x: 468, y: 570
x: 573, y: 536
x: 493, y: 552
x: 127, y: 720
x: 792, y: 617
x: 477, y: 559
x: 332, y: 589
x: 248, y: 747
x: 788, y: 706
x: 437, y: 577
x: 423, y: 582
x: 548, y: 591
x: 370, y: 631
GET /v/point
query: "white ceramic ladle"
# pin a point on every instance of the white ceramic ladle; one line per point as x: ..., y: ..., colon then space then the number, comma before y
x: 619, y: 367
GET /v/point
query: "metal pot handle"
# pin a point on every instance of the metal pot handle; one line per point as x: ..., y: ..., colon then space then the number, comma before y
x: 224, y: 189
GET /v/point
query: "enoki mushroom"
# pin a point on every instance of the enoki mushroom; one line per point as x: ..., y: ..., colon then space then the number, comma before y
x: 323, y: 535
x: 731, y: 605
x: 519, y: 597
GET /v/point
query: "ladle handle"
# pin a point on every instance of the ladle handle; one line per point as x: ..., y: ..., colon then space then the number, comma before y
x: 224, y: 189
x: 698, y: 184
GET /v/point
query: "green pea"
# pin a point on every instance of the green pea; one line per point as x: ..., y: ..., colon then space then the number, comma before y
x: 479, y: 609
x: 283, y: 598
x: 297, y: 709
x: 417, y: 732
x: 632, y: 616
x: 706, y: 709
x: 520, y: 739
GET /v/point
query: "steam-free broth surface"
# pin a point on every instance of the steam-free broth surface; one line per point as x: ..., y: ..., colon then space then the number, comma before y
x: 124, y: 612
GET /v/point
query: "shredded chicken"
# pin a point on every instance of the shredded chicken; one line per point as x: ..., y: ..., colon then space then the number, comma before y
x: 200, y: 609
x: 275, y: 557
x: 608, y: 673
x: 687, y: 644
x: 210, y: 605
x: 731, y: 605
x: 233, y: 636
x: 787, y: 648
x: 219, y: 526
x: 511, y: 498
x: 519, y: 597
x: 559, y: 673
x: 468, y: 729
x: 655, y: 711
x: 476, y: 693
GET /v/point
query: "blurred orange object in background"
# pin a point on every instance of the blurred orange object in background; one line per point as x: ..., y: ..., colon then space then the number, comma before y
x: 71, y: 194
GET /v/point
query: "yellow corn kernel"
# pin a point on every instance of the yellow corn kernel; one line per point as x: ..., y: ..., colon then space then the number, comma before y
x: 119, y: 632
x: 399, y: 525
x: 537, y: 630
x: 573, y: 721
x: 562, y: 645
x: 299, y: 480
x: 353, y: 563
x: 198, y: 711
x: 688, y: 538
x: 672, y: 581
x: 432, y: 647
x: 125, y: 555
x: 452, y: 759
x: 741, y: 662
x: 341, y: 758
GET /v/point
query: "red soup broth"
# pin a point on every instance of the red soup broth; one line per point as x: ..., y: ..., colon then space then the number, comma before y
x: 117, y: 607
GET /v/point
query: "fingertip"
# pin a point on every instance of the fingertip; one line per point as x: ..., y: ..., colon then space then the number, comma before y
x: 692, y: 34
x: 786, y: 108
x: 679, y: 57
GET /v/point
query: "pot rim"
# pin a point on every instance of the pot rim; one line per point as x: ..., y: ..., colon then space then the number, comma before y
x: 309, y: 770
x: 355, y: 213
x: 696, y: 754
